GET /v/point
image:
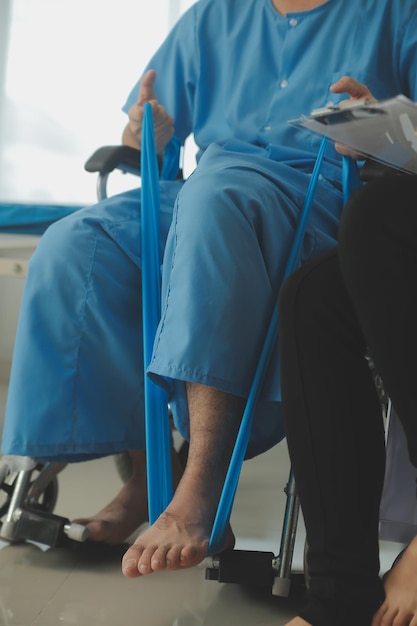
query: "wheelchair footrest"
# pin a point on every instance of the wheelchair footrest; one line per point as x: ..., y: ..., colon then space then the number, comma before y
x: 244, y: 567
x: 46, y: 528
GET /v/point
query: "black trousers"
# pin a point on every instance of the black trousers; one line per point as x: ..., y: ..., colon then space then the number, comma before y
x: 358, y: 299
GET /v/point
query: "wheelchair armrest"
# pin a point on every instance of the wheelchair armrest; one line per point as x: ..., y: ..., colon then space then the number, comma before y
x: 108, y: 158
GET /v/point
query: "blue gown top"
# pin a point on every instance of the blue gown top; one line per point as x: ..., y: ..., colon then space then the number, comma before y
x: 248, y: 95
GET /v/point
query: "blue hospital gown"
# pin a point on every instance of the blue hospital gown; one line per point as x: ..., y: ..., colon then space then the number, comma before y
x: 231, y: 72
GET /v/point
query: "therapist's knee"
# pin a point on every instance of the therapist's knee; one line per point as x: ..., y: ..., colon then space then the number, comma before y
x: 306, y: 292
x: 371, y: 210
x: 374, y: 215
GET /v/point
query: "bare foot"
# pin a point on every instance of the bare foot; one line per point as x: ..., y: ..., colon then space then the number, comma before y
x: 120, y: 518
x: 400, y: 605
x: 129, y: 509
x: 180, y: 536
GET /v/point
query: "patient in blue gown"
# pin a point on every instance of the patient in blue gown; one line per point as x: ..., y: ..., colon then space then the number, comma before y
x: 232, y: 74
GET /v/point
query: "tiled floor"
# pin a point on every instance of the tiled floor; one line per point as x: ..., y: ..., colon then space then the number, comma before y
x: 73, y: 588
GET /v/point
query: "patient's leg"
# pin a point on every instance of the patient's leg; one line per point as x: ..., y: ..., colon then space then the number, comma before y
x: 129, y: 509
x: 179, y: 538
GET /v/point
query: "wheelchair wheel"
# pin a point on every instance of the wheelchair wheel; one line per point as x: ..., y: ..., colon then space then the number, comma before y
x: 44, y: 502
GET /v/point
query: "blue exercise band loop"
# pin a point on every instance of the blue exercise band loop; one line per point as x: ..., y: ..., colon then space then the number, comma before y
x: 158, y: 436
x: 350, y: 177
x: 220, y: 526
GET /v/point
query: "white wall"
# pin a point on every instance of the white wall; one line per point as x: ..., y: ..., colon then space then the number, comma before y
x: 15, y: 250
x: 65, y: 69
x: 69, y: 67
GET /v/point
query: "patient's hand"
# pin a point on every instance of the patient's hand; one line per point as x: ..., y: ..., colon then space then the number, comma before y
x: 163, y: 123
x: 356, y: 91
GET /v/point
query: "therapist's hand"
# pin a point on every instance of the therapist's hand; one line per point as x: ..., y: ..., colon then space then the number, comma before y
x: 163, y: 123
x: 354, y: 88
x: 356, y: 91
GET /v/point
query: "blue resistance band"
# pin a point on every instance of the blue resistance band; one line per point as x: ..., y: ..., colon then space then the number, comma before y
x: 227, y: 497
x: 350, y: 177
x: 158, y: 436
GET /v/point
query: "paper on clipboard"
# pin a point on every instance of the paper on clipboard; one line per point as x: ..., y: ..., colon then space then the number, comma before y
x: 385, y: 130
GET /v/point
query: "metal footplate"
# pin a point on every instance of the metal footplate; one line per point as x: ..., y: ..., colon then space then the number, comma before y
x: 41, y: 527
x: 30, y: 491
x: 263, y: 569
x: 255, y: 569
x: 245, y: 567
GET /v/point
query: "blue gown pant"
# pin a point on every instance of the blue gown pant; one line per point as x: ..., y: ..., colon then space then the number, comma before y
x: 76, y: 388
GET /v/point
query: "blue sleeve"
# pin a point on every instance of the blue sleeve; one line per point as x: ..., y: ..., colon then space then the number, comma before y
x: 176, y: 64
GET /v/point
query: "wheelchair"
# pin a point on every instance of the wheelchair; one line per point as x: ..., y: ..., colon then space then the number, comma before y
x: 29, y: 488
